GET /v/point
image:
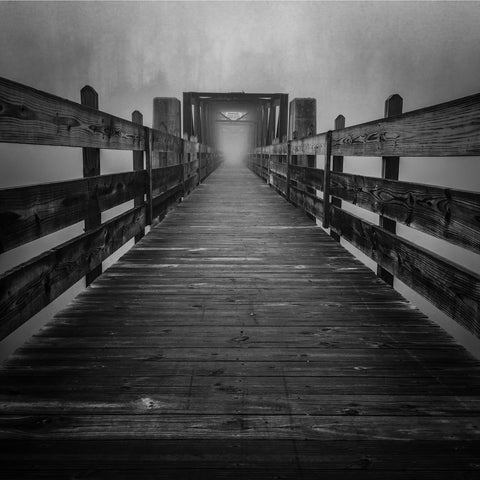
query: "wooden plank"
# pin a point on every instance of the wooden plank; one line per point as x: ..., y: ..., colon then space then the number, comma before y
x: 190, y: 168
x: 91, y: 168
x: 451, y: 288
x: 158, y: 426
x: 165, y: 200
x: 447, y: 129
x: 139, y: 199
x: 445, y: 213
x: 28, y: 213
x: 337, y: 166
x: 276, y: 149
x: 164, y: 178
x: 165, y: 142
x: 28, y: 288
x: 307, y: 202
x: 279, y: 168
x: 307, y: 176
x: 326, y: 181
x: 241, y: 459
x: 288, y: 159
x: 34, y: 117
x: 390, y: 168
x: 237, y: 340
x: 314, y: 145
x: 148, y: 167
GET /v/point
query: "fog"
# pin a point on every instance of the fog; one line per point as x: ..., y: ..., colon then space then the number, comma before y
x: 350, y: 56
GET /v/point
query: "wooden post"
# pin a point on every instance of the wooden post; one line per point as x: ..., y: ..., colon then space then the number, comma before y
x: 271, y: 123
x: 302, y: 123
x: 269, y: 169
x: 203, y: 123
x: 91, y: 168
x: 137, y: 117
x: 390, y: 168
x: 337, y: 166
x: 183, y: 164
x: 148, y: 165
x: 197, y: 122
x: 326, y: 181
x: 289, y: 159
x: 283, y: 118
x: 167, y: 119
x: 187, y: 115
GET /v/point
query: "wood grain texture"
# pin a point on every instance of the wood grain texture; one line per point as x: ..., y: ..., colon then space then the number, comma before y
x: 91, y: 168
x: 236, y: 458
x: 28, y: 288
x: 138, y: 165
x: 165, y: 178
x: 165, y: 142
x: 306, y: 201
x: 28, y: 213
x: 327, y: 160
x: 450, y: 214
x: 447, y: 129
x: 451, y: 288
x: 164, y: 201
x: 237, y: 340
x: 307, y: 176
x: 314, y: 145
x: 33, y: 117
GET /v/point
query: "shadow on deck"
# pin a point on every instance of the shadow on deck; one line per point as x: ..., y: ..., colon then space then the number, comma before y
x: 238, y: 340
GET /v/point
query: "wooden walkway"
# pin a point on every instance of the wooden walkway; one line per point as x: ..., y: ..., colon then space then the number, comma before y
x: 238, y: 340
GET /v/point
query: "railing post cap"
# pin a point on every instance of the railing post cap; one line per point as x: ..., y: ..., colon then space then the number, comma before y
x: 137, y: 117
x: 89, y: 97
x: 393, y: 105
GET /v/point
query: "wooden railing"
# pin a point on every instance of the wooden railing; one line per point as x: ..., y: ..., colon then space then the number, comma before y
x: 28, y: 213
x: 449, y: 129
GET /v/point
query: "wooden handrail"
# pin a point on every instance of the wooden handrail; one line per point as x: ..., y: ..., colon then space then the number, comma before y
x: 448, y: 129
x: 30, y: 116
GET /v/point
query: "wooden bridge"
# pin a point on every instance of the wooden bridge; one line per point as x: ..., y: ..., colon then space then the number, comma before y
x: 237, y: 339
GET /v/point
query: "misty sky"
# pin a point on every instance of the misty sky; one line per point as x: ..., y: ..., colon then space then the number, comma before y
x: 349, y: 55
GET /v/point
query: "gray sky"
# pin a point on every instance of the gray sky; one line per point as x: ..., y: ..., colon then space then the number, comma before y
x: 349, y: 55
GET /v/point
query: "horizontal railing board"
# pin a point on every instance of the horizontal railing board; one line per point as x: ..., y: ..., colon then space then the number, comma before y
x: 447, y: 129
x: 449, y: 214
x: 313, y: 177
x: 277, y: 149
x: 279, y: 169
x: 31, y: 212
x: 162, y: 202
x: 30, y: 116
x: 165, y: 142
x: 452, y: 289
x: 165, y: 177
x: 191, y: 167
x: 313, y: 145
x: 28, y: 288
x: 306, y: 201
x: 190, y: 147
x: 190, y: 183
x: 279, y: 183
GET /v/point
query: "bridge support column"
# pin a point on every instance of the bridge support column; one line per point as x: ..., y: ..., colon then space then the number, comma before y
x: 302, y: 122
x: 167, y: 119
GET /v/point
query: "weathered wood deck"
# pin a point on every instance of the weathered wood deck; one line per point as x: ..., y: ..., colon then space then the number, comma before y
x: 238, y: 340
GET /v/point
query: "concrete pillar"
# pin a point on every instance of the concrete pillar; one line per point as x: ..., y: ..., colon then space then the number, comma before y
x: 167, y: 119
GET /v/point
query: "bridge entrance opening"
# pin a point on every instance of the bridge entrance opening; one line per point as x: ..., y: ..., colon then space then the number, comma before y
x: 235, y: 122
